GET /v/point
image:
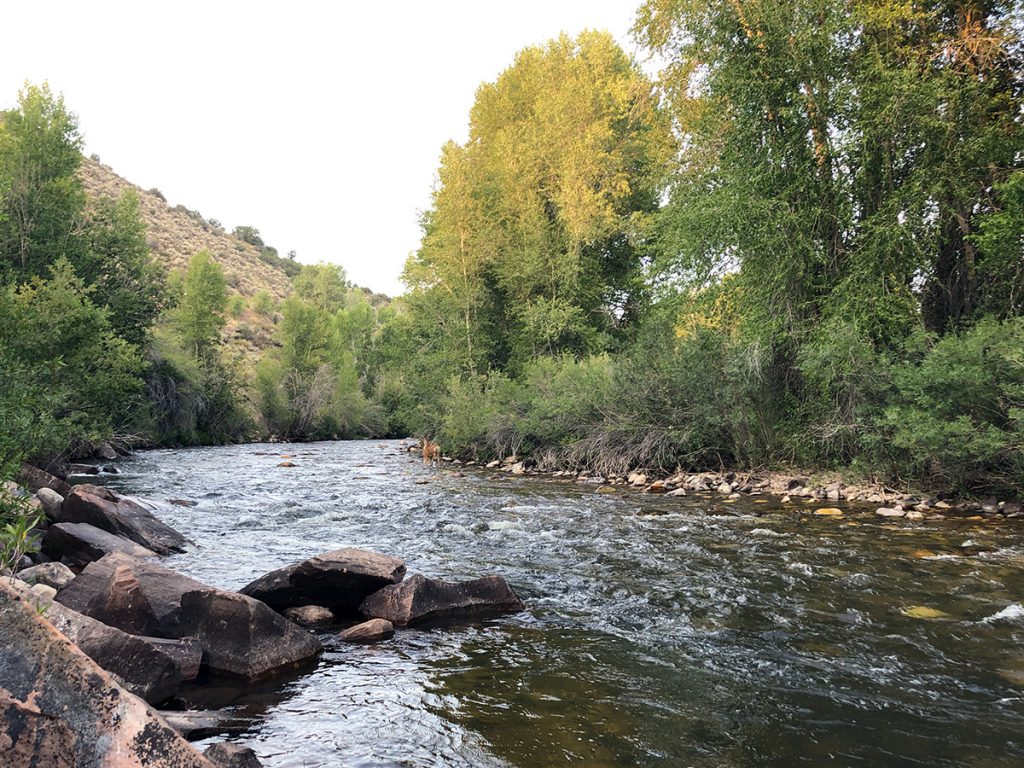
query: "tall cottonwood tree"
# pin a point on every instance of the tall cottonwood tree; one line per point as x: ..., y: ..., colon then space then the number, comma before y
x: 533, y: 244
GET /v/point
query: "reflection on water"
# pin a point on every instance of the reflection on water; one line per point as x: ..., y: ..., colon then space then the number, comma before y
x: 656, y: 635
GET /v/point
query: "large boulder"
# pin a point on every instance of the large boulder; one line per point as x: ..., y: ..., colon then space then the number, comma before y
x: 148, y: 667
x: 339, y: 580
x: 36, y: 478
x: 104, y: 509
x: 78, y: 544
x: 122, y: 592
x: 239, y: 636
x: 59, y: 708
x: 56, y: 575
x: 420, y: 600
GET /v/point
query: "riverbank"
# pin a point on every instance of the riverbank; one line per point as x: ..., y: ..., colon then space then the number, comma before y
x: 799, y: 489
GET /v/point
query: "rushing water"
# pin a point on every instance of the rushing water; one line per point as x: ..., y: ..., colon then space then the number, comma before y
x: 655, y: 635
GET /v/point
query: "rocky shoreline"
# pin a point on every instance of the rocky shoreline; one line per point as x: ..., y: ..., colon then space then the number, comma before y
x: 800, y: 490
x: 93, y: 624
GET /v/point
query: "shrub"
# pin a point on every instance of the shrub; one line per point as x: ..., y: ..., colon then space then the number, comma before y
x: 958, y: 416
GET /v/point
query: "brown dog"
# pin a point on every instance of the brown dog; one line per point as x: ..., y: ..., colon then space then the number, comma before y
x: 431, y: 451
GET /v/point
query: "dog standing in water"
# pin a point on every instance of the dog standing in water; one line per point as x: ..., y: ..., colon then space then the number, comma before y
x: 431, y: 451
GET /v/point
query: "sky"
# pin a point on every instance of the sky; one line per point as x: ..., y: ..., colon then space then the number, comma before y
x: 319, y: 123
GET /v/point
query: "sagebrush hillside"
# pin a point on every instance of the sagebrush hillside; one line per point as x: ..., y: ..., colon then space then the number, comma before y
x: 175, y: 234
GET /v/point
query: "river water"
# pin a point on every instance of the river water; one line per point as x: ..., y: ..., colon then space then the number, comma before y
x: 655, y: 635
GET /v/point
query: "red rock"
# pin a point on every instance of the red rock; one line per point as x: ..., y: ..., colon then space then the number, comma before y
x: 59, y: 708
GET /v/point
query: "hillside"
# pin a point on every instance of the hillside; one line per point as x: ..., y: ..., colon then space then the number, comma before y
x: 176, y: 234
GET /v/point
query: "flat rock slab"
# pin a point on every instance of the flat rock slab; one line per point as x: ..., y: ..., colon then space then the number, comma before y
x: 104, y: 509
x: 239, y: 636
x: 59, y: 708
x: 79, y: 544
x: 420, y: 600
x: 372, y: 631
x: 339, y: 580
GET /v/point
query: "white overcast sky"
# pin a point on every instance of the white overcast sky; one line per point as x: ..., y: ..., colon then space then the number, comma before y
x: 320, y: 123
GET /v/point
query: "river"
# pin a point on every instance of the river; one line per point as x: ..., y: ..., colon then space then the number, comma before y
x: 655, y: 635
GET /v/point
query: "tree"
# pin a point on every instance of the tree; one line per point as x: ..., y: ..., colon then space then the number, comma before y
x: 41, y: 196
x: 199, y: 315
x: 249, y: 235
x: 92, y: 377
x: 533, y: 244
x: 117, y: 264
x: 323, y: 285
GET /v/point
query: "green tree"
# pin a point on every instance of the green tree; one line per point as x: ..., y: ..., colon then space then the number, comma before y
x: 199, y: 314
x: 93, y: 382
x: 118, y: 265
x: 533, y: 244
x: 249, y: 235
x: 41, y: 196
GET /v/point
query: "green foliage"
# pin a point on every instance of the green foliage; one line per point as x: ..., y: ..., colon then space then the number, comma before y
x: 41, y: 196
x: 532, y: 243
x: 263, y: 303
x: 17, y: 519
x: 117, y: 264
x: 235, y: 305
x: 309, y: 388
x: 249, y: 235
x: 958, y: 417
x: 323, y: 285
x: 199, y: 314
x: 60, y: 338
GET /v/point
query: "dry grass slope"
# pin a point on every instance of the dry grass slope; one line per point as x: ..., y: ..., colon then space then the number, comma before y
x: 175, y: 235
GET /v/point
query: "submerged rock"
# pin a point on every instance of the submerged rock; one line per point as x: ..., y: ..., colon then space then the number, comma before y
x: 310, y: 615
x: 79, y: 544
x: 59, y: 708
x: 420, y: 600
x: 104, y: 509
x: 196, y: 724
x: 889, y: 512
x: 372, y: 631
x: 228, y: 755
x: 339, y: 580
